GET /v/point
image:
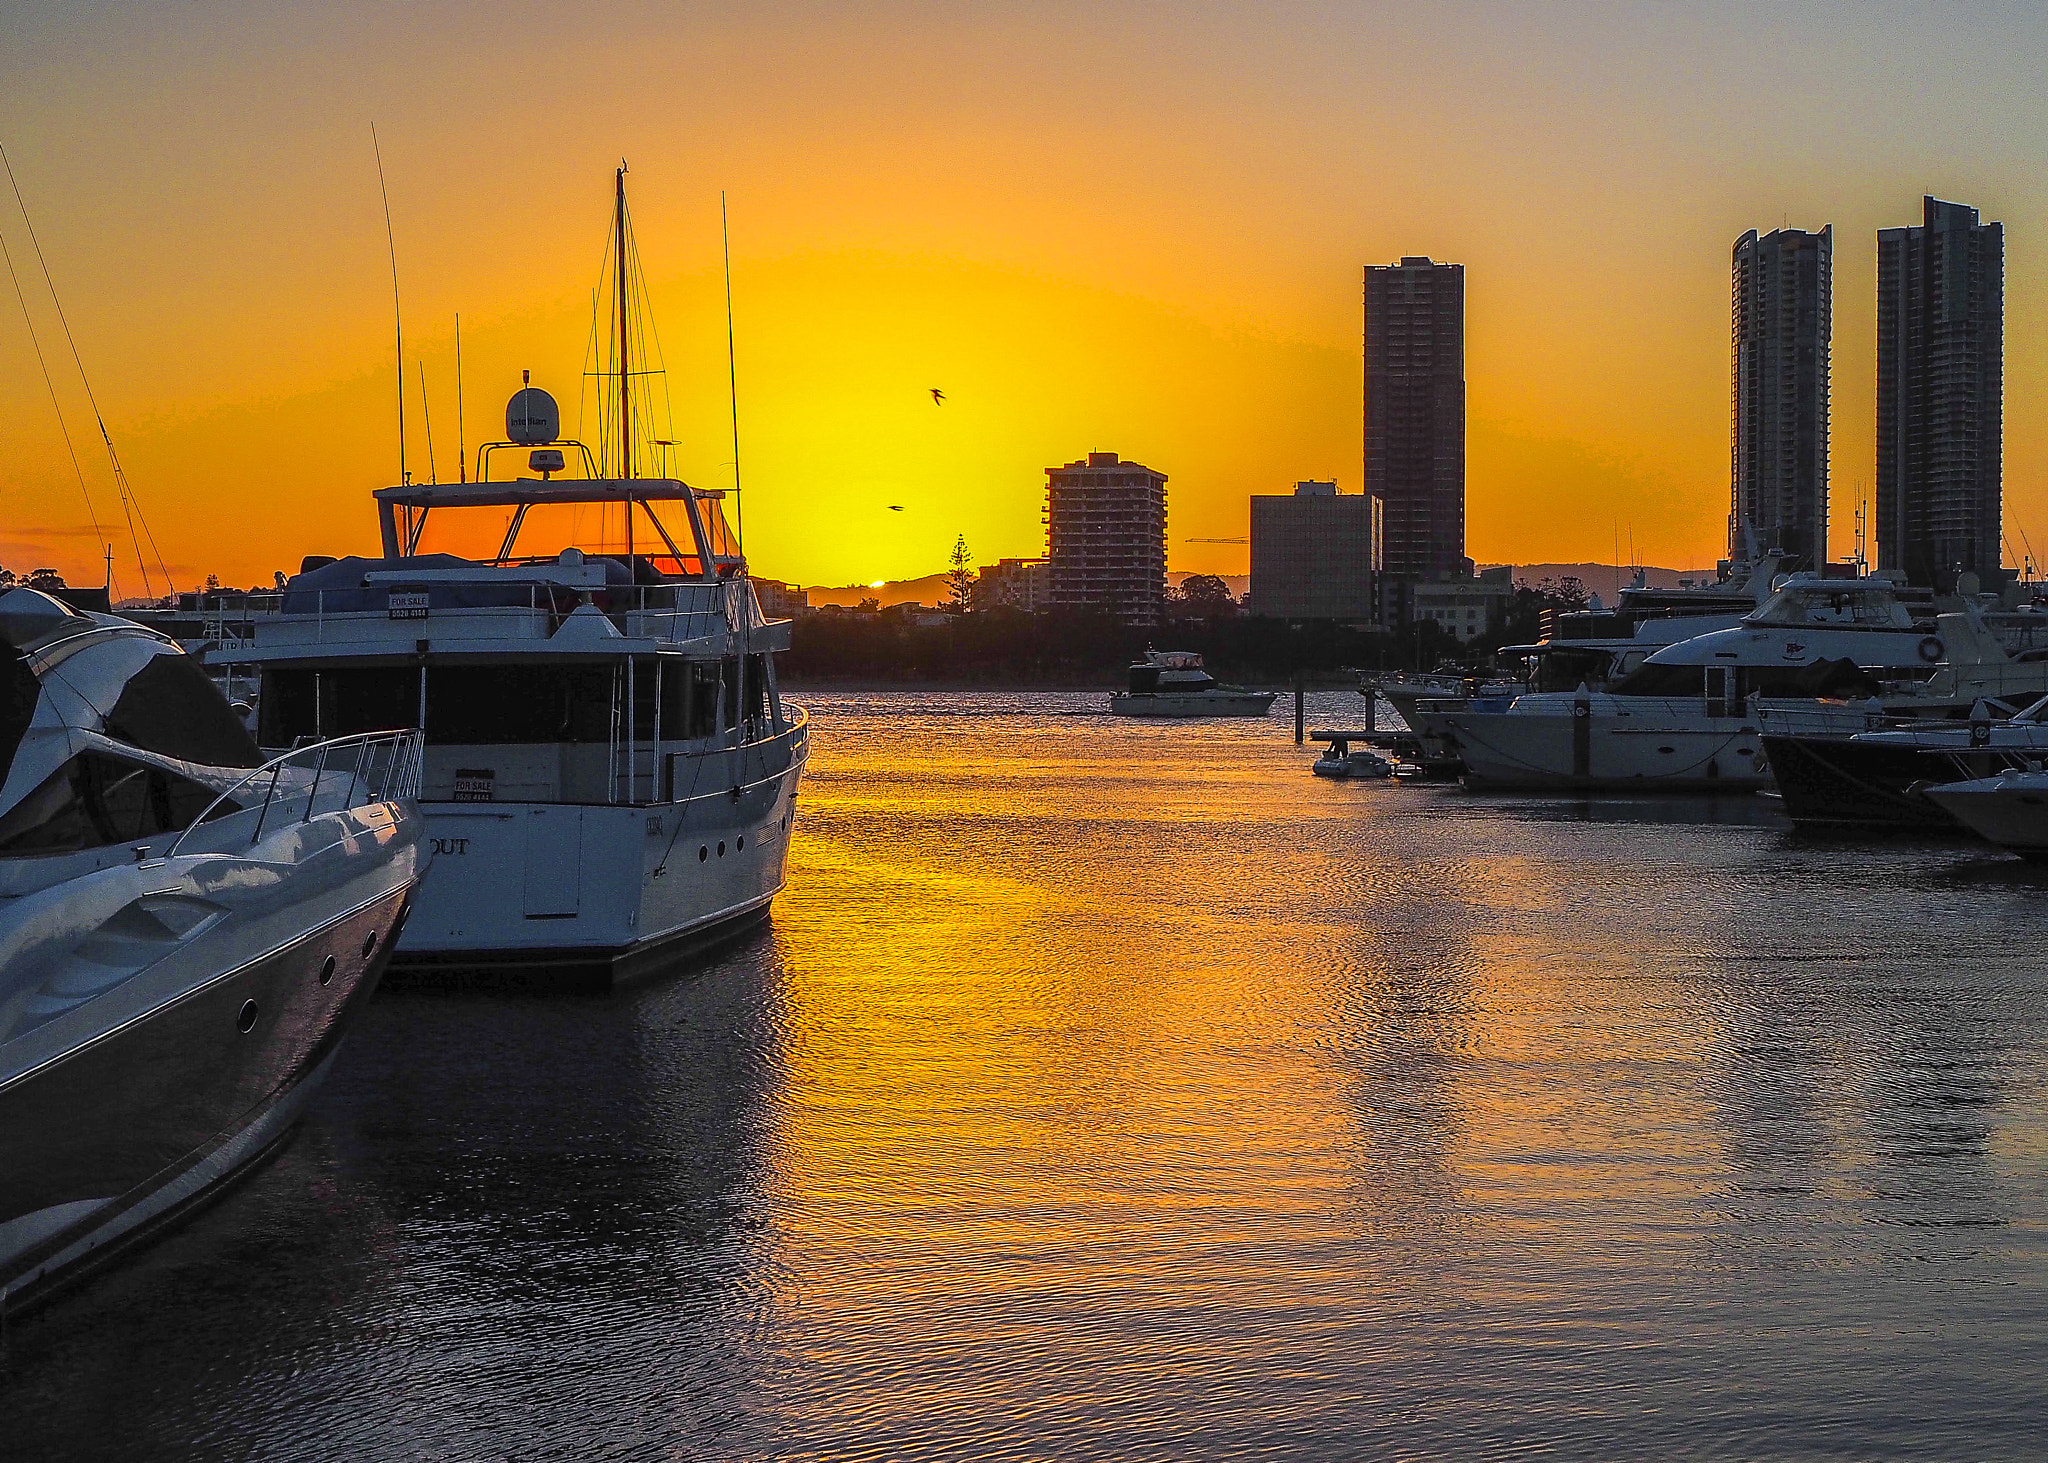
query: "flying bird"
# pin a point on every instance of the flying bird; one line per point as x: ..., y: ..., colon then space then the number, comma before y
x: 895, y: 507
x: 938, y: 397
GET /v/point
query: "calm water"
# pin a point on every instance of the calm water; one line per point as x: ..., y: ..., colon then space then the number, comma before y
x: 1108, y: 1090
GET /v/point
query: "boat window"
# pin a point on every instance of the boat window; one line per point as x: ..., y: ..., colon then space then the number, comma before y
x: 467, y: 705
x: 95, y: 800
x: 19, y: 692
x: 173, y: 708
x: 1651, y: 679
x: 313, y: 705
x: 757, y: 688
x: 702, y: 689
x: 545, y: 529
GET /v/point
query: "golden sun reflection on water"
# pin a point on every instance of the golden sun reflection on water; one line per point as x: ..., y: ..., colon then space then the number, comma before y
x: 1133, y: 1072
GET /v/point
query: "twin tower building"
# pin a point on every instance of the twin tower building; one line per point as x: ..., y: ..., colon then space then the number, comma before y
x: 1940, y: 395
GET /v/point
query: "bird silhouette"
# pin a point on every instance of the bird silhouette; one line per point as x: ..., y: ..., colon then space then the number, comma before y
x: 938, y: 397
x: 895, y: 507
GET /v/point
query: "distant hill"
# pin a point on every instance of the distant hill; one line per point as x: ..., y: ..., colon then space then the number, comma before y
x: 931, y: 590
x: 1605, y: 579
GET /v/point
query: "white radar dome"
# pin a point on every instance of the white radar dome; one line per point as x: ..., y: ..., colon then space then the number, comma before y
x: 532, y: 418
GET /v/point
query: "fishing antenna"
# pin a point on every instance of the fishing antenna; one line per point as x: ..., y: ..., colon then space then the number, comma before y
x: 130, y: 509
x: 397, y: 319
x: 732, y: 377
x: 427, y: 415
x: 461, y: 439
x: 57, y: 407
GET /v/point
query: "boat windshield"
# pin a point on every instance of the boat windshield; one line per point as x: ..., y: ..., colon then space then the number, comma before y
x: 508, y: 533
x: 1833, y: 604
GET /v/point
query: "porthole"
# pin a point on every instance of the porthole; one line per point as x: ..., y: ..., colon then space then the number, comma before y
x: 369, y: 943
x: 721, y: 848
x: 327, y: 970
x: 703, y: 854
x: 742, y: 842
x: 246, y: 1022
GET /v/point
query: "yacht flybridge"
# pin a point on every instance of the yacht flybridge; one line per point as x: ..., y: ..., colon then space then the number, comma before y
x: 610, y: 771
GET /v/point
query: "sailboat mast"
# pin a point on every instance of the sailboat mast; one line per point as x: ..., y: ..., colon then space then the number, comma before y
x: 625, y: 370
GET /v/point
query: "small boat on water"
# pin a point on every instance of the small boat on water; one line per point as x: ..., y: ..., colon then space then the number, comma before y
x: 187, y: 932
x: 1174, y: 683
x: 1340, y: 760
x: 2010, y: 810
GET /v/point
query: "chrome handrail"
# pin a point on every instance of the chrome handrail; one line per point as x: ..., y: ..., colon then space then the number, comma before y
x: 400, y: 777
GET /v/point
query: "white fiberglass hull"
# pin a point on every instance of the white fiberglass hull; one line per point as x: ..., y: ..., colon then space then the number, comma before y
x: 530, y: 894
x: 1605, y: 742
x: 2010, y: 811
x: 1191, y: 703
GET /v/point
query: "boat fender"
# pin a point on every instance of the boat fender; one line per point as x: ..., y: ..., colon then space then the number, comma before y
x: 1931, y: 649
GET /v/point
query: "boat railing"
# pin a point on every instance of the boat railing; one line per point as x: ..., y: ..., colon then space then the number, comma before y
x: 306, y: 782
x: 687, y: 610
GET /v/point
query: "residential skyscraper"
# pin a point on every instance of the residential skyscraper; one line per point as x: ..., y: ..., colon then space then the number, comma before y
x: 1105, y: 531
x: 1415, y: 413
x: 1314, y: 553
x: 1780, y: 327
x: 1940, y: 396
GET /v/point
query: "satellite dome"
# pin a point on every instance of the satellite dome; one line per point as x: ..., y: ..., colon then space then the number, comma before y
x: 532, y: 418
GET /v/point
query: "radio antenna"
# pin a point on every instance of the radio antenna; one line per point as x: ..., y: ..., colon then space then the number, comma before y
x: 427, y: 415
x: 732, y: 377
x: 461, y: 439
x: 397, y: 318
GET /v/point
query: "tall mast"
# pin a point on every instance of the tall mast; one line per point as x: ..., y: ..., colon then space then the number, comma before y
x: 625, y: 374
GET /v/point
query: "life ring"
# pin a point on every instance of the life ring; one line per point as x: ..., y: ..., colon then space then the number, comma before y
x: 1931, y: 649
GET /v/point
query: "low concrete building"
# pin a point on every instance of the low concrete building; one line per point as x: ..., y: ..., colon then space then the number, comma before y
x: 1018, y: 584
x: 1465, y: 607
x: 1314, y: 554
x: 781, y: 601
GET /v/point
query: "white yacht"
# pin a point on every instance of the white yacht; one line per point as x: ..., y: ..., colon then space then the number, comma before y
x: 186, y: 932
x: 2010, y: 810
x: 1684, y: 719
x: 610, y: 771
x: 1174, y: 683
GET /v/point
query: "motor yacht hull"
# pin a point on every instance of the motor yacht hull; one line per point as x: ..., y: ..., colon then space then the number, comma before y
x: 106, y: 1142
x: 1591, y: 745
x: 2010, y: 811
x: 1833, y: 782
x: 569, y: 897
x: 1191, y: 703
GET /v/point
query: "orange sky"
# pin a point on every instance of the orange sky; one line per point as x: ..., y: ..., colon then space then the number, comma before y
x: 1136, y: 229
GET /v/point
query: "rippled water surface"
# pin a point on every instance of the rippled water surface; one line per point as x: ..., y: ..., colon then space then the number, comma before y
x: 1113, y: 1090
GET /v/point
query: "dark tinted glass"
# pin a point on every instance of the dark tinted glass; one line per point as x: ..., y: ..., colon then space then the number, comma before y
x: 19, y: 690
x: 95, y: 800
x: 172, y: 708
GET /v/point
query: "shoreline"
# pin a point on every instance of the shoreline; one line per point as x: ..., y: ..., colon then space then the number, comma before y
x: 1011, y: 688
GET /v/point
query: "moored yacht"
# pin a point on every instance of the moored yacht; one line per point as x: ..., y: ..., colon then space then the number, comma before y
x: 1684, y: 718
x: 186, y: 931
x: 1174, y: 683
x: 2010, y: 810
x: 610, y: 771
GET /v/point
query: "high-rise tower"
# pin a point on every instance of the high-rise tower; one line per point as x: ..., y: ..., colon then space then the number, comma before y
x: 1415, y: 413
x: 1780, y: 326
x: 1940, y: 396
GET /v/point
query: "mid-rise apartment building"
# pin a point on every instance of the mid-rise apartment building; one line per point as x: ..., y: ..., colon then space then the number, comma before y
x: 1105, y: 531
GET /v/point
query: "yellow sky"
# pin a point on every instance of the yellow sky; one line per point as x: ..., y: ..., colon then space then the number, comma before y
x: 1134, y: 229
